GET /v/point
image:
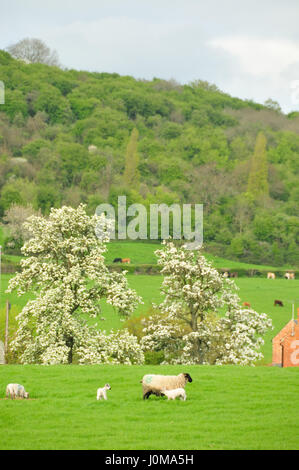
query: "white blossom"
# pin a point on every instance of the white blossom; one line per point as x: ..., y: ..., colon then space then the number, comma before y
x: 196, y: 295
x: 64, y: 269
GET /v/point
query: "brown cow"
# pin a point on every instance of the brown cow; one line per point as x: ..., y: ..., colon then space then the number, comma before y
x: 235, y: 274
x: 246, y: 304
x: 126, y: 260
x: 270, y: 276
x: 278, y: 302
x: 289, y: 275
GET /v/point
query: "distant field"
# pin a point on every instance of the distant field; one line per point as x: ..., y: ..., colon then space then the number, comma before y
x: 144, y: 253
x: 261, y: 293
x: 227, y: 407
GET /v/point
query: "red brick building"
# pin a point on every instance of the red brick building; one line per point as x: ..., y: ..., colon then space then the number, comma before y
x: 285, y: 345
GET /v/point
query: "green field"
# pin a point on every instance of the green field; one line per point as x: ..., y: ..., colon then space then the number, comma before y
x: 261, y: 294
x: 227, y: 407
x: 144, y: 253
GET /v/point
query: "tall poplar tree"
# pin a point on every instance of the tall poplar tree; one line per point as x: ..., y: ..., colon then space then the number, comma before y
x: 131, y: 174
x: 258, y: 185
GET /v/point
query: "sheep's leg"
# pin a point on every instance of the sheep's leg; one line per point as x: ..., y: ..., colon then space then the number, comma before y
x: 146, y: 395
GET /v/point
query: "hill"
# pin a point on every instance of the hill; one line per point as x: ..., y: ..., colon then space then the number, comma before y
x: 196, y: 144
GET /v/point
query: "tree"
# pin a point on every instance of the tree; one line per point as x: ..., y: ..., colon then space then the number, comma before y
x: 190, y: 329
x: 9, y: 195
x: 64, y: 267
x: 14, y: 219
x: 33, y: 50
x: 258, y: 185
x: 273, y: 105
x: 131, y: 174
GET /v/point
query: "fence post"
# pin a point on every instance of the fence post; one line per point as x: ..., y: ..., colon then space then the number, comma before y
x: 6, y: 327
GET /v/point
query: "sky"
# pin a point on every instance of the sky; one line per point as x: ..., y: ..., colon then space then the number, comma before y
x: 249, y: 49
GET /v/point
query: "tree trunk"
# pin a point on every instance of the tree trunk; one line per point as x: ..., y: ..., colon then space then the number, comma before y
x: 70, y: 344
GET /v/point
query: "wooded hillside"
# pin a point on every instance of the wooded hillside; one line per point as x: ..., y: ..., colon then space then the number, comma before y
x: 154, y: 141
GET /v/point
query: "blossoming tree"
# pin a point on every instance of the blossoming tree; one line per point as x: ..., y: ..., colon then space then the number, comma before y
x: 64, y: 267
x: 201, y: 318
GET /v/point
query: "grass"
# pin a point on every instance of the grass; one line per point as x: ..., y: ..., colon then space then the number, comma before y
x: 259, y: 292
x: 143, y: 253
x: 227, y: 407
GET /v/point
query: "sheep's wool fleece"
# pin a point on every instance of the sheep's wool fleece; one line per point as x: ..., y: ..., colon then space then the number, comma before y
x: 16, y: 390
x: 158, y: 382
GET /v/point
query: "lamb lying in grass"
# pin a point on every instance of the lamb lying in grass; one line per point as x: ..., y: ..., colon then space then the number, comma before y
x: 16, y: 390
x: 173, y: 394
x: 102, y: 392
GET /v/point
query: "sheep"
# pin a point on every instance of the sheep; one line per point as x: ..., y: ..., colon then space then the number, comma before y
x: 101, y: 392
x: 270, y: 276
x: 154, y: 384
x: 173, y: 394
x: 16, y: 390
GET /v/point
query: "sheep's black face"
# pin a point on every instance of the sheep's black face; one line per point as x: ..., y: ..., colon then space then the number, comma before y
x: 187, y: 376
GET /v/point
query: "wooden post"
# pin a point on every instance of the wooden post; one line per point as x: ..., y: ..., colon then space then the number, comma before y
x: 6, y: 328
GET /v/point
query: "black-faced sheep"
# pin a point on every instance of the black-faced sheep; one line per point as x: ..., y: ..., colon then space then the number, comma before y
x: 153, y: 384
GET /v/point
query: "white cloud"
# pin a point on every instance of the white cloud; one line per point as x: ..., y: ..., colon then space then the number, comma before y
x: 259, y: 56
x: 262, y: 67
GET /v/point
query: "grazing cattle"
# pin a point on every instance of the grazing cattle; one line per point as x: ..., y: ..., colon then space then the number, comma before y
x: 289, y: 275
x: 246, y: 304
x: 126, y: 260
x: 117, y: 260
x: 278, y: 302
x: 229, y: 274
x: 235, y: 274
x: 270, y: 276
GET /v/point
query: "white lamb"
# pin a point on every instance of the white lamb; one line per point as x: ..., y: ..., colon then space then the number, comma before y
x: 173, y: 394
x: 16, y: 390
x: 101, y: 393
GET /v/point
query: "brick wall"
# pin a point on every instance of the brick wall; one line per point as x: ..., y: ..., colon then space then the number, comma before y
x: 285, y: 345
